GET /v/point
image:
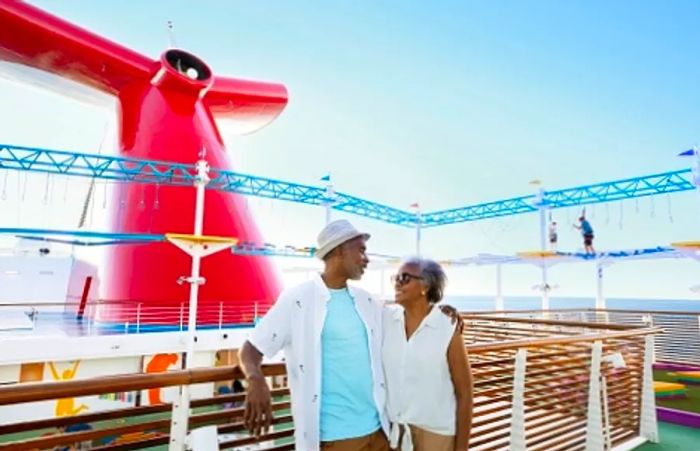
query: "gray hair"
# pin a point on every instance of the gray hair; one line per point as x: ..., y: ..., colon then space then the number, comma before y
x: 434, y: 277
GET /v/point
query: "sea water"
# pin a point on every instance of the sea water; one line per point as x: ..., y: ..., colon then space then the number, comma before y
x: 487, y: 303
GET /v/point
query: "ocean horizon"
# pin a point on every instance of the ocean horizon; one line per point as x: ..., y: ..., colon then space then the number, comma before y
x: 487, y: 303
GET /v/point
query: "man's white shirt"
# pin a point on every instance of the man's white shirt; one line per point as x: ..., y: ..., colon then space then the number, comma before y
x: 294, y: 325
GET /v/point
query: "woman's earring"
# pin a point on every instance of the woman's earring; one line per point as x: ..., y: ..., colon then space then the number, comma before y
x: 423, y: 293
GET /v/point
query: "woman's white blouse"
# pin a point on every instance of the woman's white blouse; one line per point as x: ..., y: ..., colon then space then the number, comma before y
x: 419, y: 387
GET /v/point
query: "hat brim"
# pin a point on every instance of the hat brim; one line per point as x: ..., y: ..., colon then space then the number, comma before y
x: 321, y: 252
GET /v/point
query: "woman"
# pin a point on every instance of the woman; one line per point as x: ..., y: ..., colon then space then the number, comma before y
x: 429, y: 382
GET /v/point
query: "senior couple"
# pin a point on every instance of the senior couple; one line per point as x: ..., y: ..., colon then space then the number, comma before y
x: 364, y: 376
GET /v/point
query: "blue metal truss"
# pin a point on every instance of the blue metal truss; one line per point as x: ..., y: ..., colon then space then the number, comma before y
x: 97, y: 166
x: 486, y: 210
x: 306, y: 194
x: 166, y: 173
x: 648, y: 185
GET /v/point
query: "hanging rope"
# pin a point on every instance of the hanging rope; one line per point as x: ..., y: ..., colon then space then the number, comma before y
x: 92, y: 210
x: 46, y: 189
x: 104, y: 196
x: 653, y: 207
x: 142, y: 202
x: 156, y: 200
x: 670, y: 211
x: 65, y: 190
x: 24, y: 187
x: 622, y: 214
x: 607, y: 213
x: 91, y: 190
x: 86, y: 205
x: 4, y: 186
x: 636, y: 205
x: 122, y: 201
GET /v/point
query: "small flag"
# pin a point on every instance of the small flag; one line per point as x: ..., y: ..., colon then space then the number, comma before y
x: 414, y: 205
x: 687, y: 153
x: 326, y: 178
x: 536, y: 182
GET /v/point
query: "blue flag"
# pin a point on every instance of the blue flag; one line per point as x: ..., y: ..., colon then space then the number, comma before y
x: 326, y: 178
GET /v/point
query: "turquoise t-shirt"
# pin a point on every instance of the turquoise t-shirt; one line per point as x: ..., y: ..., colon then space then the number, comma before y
x: 347, y: 401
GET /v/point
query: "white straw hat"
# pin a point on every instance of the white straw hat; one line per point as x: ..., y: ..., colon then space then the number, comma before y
x: 334, y: 234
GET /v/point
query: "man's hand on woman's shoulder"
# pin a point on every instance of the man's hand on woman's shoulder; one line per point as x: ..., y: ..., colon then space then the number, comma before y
x: 454, y: 315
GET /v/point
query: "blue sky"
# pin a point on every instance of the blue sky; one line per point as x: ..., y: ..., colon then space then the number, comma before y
x: 445, y: 103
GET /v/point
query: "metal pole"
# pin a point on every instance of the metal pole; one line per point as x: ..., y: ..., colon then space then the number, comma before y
x: 545, y: 288
x: 330, y: 194
x: 418, y: 226
x: 543, y: 247
x: 181, y: 407
x: 200, y: 183
x: 600, y: 298
x: 499, y: 288
x: 696, y: 172
x: 382, y: 284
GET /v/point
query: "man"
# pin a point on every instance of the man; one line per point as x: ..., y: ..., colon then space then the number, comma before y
x: 331, y: 334
x: 587, y: 232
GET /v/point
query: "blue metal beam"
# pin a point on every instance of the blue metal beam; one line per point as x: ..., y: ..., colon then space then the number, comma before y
x: 648, y: 185
x: 166, y: 173
x: 477, y: 212
x: 81, y: 237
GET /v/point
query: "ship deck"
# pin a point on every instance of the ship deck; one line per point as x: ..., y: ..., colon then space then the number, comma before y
x: 674, y: 438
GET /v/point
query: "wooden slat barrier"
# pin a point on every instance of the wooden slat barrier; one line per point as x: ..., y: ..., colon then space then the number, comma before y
x: 557, y: 379
x: 679, y: 343
x: 555, y: 398
x: 146, y: 431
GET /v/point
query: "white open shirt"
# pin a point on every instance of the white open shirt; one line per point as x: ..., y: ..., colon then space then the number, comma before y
x: 294, y: 324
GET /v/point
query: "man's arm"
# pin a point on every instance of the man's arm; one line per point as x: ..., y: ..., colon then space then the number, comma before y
x: 258, y: 411
x: 271, y: 334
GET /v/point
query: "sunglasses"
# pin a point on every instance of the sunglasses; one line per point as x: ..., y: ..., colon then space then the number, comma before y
x: 404, y: 278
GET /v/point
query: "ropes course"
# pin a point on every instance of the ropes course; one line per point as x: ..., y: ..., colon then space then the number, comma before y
x: 133, y: 170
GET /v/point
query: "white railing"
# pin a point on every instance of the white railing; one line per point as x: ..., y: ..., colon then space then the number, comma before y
x: 115, y: 317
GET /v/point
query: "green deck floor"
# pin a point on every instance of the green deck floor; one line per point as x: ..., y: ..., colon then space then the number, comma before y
x: 676, y: 438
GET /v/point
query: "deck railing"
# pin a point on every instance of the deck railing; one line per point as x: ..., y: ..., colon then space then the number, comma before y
x: 149, y: 425
x: 134, y: 317
x: 679, y: 343
x: 538, y: 385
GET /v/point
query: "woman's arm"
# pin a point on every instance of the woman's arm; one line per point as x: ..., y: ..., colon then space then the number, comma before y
x: 461, y: 375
